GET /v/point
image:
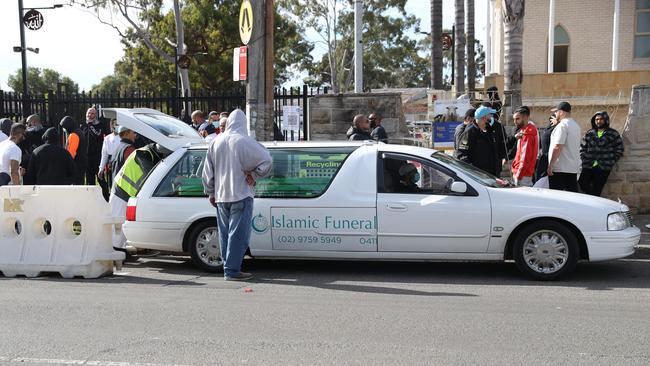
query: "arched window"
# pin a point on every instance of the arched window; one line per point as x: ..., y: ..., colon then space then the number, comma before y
x: 561, y: 50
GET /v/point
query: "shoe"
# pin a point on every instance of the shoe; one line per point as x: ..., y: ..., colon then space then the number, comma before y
x: 241, y: 276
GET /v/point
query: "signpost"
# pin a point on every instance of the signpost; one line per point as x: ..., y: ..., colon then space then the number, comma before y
x: 239, y: 63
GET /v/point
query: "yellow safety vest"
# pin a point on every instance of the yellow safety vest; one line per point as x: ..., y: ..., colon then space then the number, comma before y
x: 130, y: 178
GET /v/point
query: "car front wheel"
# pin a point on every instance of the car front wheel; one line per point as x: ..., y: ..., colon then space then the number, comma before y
x: 546, y: 250
x: 204, y: 246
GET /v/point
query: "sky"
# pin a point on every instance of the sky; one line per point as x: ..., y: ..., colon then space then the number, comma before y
x: 75, y: 44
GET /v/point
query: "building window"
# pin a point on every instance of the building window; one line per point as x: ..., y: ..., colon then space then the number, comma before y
x: 642, y: 29
x: 561, y: 50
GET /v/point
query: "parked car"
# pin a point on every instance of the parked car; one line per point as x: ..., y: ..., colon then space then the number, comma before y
x: 348, y: 200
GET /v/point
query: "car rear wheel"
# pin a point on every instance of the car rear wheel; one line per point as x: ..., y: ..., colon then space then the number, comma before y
x: 546, y: 250
x: 204, y: 246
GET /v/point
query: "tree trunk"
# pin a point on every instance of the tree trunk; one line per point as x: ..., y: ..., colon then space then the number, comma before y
x: 460, y: 47
x: 513, y: 29
x: 436, y: 45
x: 471, y: 57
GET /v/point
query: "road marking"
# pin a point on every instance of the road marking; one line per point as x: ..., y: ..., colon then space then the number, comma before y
x: 54, y: 361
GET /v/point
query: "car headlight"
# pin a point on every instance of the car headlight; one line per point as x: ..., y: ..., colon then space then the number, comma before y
x: 617, y: 221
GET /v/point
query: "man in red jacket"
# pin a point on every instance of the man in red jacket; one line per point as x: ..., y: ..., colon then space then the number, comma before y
x: 523, y: 167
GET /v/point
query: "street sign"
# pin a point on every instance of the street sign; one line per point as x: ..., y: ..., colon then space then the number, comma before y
x: 33, y: 19
x: 239, y: 64
x: 245, y: 21
x: 447, y: 41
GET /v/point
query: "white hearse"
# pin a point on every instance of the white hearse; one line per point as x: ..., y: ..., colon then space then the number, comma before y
x: 346, y: 200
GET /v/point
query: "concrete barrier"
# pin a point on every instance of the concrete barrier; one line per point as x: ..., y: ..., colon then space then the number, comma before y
x: 64, y: 229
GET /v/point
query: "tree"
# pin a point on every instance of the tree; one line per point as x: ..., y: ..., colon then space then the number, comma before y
x: 424, y: 46
x: 513, y: 29
x: 40, y: 81
x: 390, y: 55
x: 460, y: 47
x: 436, y: 44
x: 139, y: 15
x: 469, y: 29
x: 211, y: 34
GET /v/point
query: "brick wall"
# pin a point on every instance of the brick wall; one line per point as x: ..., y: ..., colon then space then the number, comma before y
x: 330, y: 115
x: 589, y: 24
x: 630, y: 179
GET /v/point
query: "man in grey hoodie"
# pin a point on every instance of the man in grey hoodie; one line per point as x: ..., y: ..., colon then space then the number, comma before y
x: 233, y: 163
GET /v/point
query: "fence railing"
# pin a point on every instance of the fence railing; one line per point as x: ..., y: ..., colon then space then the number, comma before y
x: 55, y: 104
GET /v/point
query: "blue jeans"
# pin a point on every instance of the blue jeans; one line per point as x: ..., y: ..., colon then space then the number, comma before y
x: 234, y: 221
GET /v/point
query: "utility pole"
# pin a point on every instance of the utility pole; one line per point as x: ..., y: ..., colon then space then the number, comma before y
x: 259, y: 88
x: 358, y: 46
x: 23, y: 54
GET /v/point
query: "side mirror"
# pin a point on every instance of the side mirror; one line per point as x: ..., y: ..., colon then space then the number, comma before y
x: 459, y: 187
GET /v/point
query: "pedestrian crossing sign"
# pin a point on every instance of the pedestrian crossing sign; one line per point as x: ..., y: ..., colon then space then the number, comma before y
x: 245, y: 21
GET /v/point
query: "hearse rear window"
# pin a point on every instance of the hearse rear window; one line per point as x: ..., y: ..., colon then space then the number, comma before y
x: 301, y: 172
x: 296, y: 173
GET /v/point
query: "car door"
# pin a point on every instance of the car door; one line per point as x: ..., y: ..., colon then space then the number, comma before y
x: 158, y: 127
x: 428, y: 218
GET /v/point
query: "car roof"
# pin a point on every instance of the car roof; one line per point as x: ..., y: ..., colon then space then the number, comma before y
x: 302, y: 144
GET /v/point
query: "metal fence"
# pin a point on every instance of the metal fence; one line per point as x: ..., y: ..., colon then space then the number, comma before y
x: 55, y: 104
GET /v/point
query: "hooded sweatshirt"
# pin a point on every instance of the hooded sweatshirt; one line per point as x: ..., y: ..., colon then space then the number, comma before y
x: 50, y: 164
x: 76, y: 143
x: 602, y: 150
x: 231, y: 155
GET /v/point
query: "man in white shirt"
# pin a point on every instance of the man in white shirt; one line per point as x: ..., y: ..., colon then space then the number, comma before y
x: 109, y: 146
x: 11, y: 155
x: 564, y: 152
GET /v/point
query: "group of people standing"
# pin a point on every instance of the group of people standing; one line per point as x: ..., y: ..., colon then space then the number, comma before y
x: 367, y: 128
x: 560, y: 154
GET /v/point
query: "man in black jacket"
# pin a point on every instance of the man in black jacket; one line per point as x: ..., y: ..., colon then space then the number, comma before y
x: 50, y: 164
x: 360, y: 129
x: 476, y: 145
x: 601, y: 148
x: 94, y: 131
x: 77, y: 146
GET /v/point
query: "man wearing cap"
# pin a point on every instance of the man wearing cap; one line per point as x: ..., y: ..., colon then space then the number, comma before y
x: 476, y: 145
x: 409, y: 177
x: 564, y: 153
x: 458, y: 132
x: 208, y: 131
x: 523, y: 166
x: 123, y: 149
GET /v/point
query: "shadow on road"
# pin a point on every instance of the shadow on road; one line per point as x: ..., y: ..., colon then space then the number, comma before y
x: 372, y: 277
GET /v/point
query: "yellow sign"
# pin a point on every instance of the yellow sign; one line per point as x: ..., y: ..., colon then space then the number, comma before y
x: 245, y: 21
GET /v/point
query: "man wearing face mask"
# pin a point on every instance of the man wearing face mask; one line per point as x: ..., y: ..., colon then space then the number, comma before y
x: 499, y: 136
x: 476, y: 144
x: 94, y: 131
x: 76, y: 145
x: 33, y: 138
x: 409, y: 177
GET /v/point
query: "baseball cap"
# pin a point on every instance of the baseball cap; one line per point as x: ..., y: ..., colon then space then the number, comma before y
x: 562, y: 106
x: 121, y: 129
x: 483, y: 111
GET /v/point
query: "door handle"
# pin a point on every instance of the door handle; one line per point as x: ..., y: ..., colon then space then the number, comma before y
x: 396, y: 207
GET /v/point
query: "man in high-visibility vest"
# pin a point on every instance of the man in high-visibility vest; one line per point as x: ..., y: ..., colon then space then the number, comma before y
x: 128, y: 181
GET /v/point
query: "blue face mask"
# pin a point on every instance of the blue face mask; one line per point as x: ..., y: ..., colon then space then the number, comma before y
x: 491, y: 120
x: 416, y: 178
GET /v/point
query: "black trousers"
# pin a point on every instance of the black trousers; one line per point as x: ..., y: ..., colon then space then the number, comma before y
x: 563, y: 182
x: 593, y: 180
